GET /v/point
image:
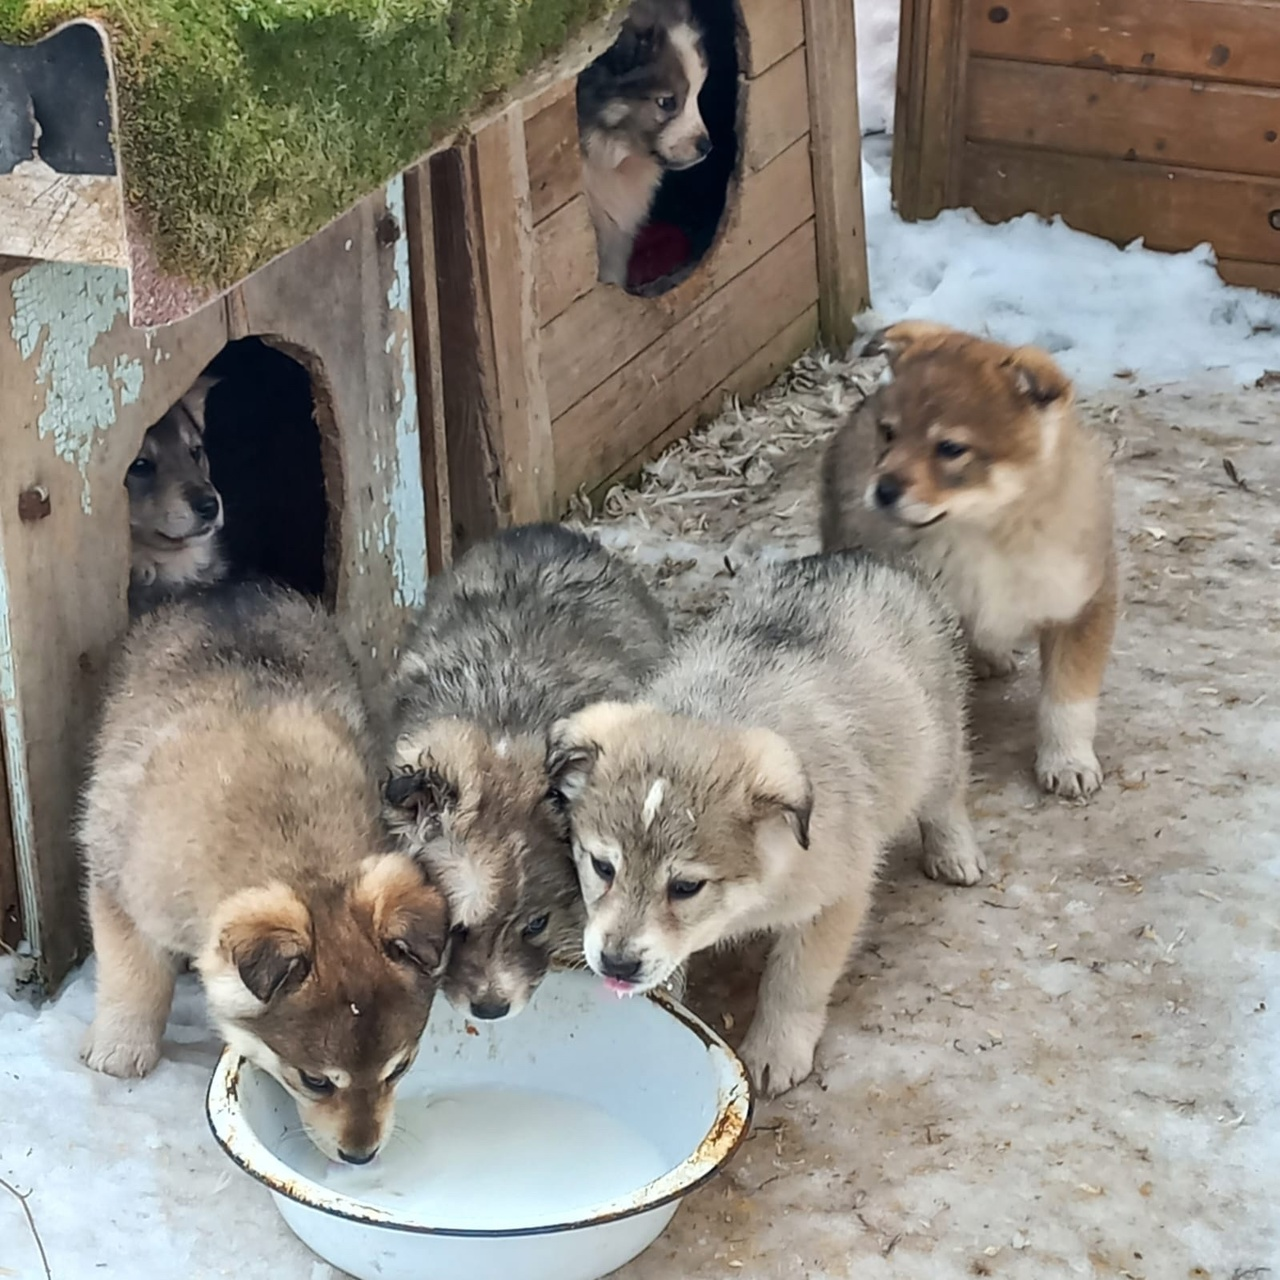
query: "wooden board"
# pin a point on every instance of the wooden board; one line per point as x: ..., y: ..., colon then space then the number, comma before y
x: 565, y: 255
x: 836, y: 142
x: 754, y: 374
x: 777, y: 111
x: 555, y: 163
x: 1251, y: 275
x: 1208, y: 39
x: 1164, y: 119
x: 673, y: 374
x: 928, y: 115
x: 604, y: 329
x: 1171, y: 208
x: 521, y: 419
x: 61, y: 217
x: 774, y: 28
x: 70, y: 429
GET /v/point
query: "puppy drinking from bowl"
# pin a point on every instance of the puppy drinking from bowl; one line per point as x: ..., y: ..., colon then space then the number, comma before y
x: 638, y: 118
x: 755, y: 788
x: 972, y: 460
x: 526, y: 628
x: 232, y: 817
x: 175, y: 513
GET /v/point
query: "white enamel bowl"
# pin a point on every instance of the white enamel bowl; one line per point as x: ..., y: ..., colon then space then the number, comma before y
x: 643, y: 1071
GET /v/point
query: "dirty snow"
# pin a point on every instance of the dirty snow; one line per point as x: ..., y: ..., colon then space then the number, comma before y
x: 1069, y: 1071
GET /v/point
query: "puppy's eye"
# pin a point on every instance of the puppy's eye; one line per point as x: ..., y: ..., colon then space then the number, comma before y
x: 886, y: 432
x: 197, y: 453
x: 603, y: 869
x: 460, y: 932
x: 142, y: 467
x: 321, y: 1086
x: 950, y: 449
x: 685, y: 888
x: 667, y: 102
x: 536, y: 926
x: 399, y: 1071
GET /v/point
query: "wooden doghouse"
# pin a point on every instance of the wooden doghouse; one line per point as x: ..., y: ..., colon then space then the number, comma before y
x: 463, y: 367
x: 576, y: 382
x: 1159, y: 120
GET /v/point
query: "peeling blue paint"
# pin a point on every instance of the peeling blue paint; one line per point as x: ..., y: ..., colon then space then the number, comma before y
x: 59, y: 313
x: 403, y: 535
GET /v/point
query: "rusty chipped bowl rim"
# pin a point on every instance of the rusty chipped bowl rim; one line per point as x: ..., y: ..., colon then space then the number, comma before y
x: 734, y: 1107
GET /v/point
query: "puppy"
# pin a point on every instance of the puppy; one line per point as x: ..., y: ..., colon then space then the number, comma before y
x: 526, y: 628
x: 231, y: 817
x: 973, y: 462
x: 175, y: 513
x: 638, y: 117
x: 817, y: 717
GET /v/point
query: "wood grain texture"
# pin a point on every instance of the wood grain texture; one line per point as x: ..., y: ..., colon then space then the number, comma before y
x: 604, y: 329
x: 554, y: 160
x: 674, y: 373
x: 774, y: 28
x: 1163, y: 119
x: 61, y: 217
x: 1208, y: 39
x: 836, y: 144
x: 1173, y: 209
x: 777, y: 111
x: 1251, y: 275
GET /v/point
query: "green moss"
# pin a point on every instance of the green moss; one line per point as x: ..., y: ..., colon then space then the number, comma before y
x: 246, y: 125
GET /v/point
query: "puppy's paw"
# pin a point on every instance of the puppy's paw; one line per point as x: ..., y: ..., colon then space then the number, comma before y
x: 992, y: 666
x: 953, y: 857
x: 1072, y: 773
x: 779, y: 1059
x: 126, y: 1057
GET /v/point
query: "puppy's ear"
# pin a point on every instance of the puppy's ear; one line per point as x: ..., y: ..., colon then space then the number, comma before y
x: 418, y: 799
x: 195, y: 399
x: 1037, y: 376
x: 576, y: 743
x: 405, y: 913
x: 777, y: 784
x: 907, y: 335
x: 265, y: 935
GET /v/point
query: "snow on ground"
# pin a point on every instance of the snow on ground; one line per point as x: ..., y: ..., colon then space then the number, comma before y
x: 877, y: 25
x: 1069, y: 1071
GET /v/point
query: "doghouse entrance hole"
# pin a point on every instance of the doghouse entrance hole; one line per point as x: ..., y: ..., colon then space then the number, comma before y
x: 267, y: 458
x: 689, y: 209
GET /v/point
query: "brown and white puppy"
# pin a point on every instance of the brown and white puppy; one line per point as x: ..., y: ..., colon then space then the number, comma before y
x: 638, y: 116
x: 816, y: 718
x: 525, y: 628
x: 175, y: 513
x: 231, y: 818
x: 972, y: 461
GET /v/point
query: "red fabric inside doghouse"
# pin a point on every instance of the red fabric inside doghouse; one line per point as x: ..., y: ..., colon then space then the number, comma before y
x: 659, y: 249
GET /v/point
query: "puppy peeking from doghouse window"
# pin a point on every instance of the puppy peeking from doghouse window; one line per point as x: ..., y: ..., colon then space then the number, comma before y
x: 657, y: 120
x: 175, y: 513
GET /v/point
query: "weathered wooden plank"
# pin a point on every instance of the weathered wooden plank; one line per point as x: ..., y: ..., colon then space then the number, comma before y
x: 928, y: 111
x: 777, y: 111
x: 1164, y: 119
x: 428, y: 363
x: 836, y: 143
x: 565, y: 258
x: 605, y: 328
x: 61, y: 217
x: 1251, y: 275
x: 72, y: 426
x: 1170, y: 208
x: 1208, y: 39
x: 523, y: 420
x: 555, y: 163
x: 340, y: 305
x: 672, y: 375
x: 774, y: 29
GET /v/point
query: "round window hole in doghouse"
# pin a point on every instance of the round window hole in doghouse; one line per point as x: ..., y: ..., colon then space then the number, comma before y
x: 688, y: 213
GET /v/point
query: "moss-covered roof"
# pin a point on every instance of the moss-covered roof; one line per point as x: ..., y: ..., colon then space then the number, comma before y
x: 247, y: 125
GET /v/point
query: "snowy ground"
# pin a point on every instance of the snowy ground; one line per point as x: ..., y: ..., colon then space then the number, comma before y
x: 1069, y: 1071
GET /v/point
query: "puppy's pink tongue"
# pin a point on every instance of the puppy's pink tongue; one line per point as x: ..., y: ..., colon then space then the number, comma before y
x: 619, y: 988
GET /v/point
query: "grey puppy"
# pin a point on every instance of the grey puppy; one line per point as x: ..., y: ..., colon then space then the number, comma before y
x: 756, y: 787
x: 231, y: 818
x: 526, y: 628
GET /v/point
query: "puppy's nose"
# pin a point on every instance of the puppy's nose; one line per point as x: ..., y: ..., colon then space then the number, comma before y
x: 623, y: 968
x: 490, y: 1010
x: 888, y: 491
x: 703, y: 146
x: 351, y: 1157
x: 206, y: 505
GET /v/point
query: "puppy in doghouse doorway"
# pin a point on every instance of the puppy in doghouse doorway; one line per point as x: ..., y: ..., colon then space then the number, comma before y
x: 175, y: 513
x: 638, y: 117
